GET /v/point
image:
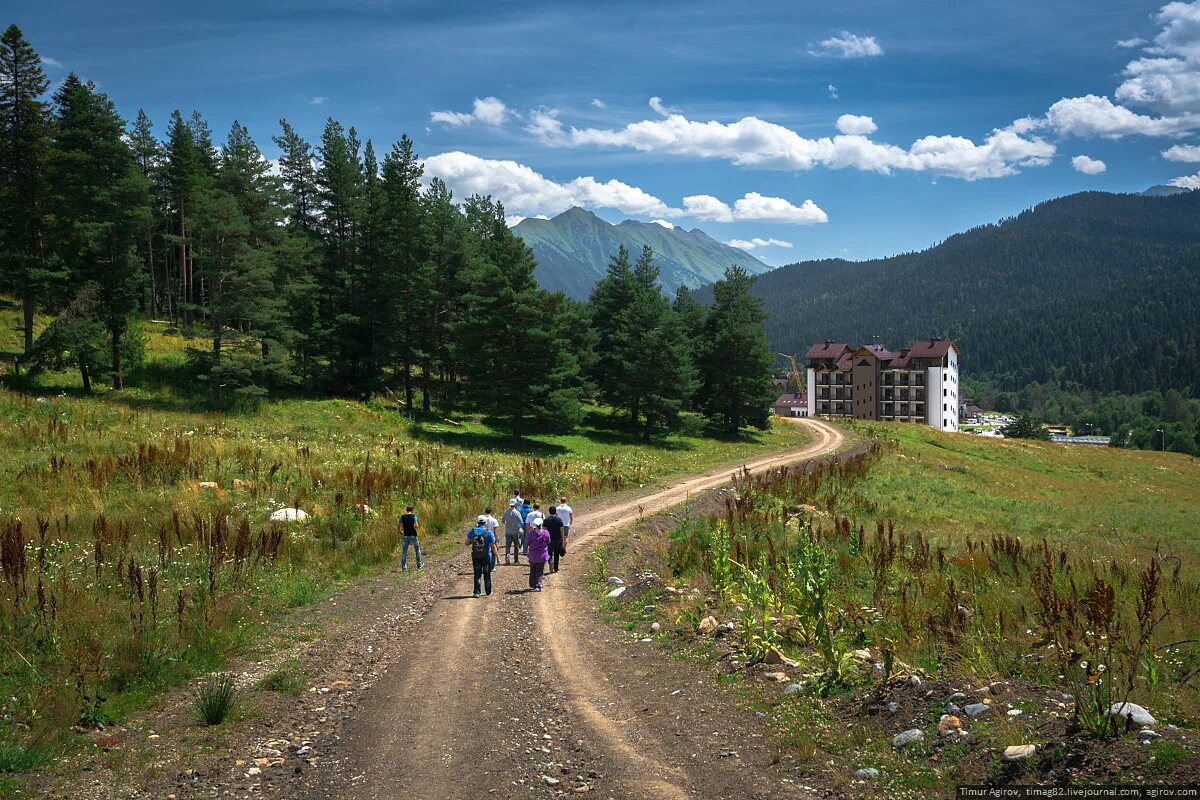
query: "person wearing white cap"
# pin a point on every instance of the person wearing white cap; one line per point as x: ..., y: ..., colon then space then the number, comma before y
x: 514, y: 533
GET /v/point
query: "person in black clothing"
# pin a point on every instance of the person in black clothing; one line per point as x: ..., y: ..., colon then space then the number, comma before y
x: 409, y: 522
x: 555, y: 525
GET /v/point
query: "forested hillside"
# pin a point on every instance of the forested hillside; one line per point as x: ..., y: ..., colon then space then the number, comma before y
x: 1095, y: 289
x: 340, y: 273
x: 573, y: 248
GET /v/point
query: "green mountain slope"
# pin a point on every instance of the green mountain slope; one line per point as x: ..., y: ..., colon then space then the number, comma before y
x: 1100, y: 289
x: 573, y: 250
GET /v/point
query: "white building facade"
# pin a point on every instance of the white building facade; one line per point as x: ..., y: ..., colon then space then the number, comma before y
x: 918, y: 384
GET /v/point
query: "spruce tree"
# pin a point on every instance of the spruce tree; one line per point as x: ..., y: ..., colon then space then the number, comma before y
x: 24, y: 127
x: 735, y: 365
x: 101, y: 203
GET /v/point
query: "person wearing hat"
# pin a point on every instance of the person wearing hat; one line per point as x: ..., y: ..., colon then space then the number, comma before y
x: 537, y: 542
x: 483, y: 553
x: 514, y: 530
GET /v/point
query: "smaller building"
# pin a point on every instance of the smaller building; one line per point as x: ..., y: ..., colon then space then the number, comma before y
x: 791, y: 405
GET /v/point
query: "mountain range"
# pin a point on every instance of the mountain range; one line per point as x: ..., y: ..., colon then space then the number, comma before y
x: 573, y: 250
x: 1098, y: 289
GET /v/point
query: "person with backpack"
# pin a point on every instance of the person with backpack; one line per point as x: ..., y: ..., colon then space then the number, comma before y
x: 493, y: 525
x: 514, y: 532
x: 408, y: 527
x: 554, y: 526
x: 537, y: 543
x: 483, y: 553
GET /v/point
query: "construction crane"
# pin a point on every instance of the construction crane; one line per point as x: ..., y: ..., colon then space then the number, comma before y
x: 795, y: 373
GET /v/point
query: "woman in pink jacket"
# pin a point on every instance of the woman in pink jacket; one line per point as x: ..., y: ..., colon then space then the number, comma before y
x: 537, y: 543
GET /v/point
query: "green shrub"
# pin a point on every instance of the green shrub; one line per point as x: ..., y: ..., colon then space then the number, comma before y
x: 215, y: 699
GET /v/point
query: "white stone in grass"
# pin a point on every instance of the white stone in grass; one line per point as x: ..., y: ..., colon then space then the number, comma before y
x: 977, y: 709
x: 617, y: 592
x: 867, y: 774
x: 793, y: 688
x: 908, y: 737
x: 615, y: 581
x: 1019, y: 751
x: 1131, y: 715
x: 288, y: 515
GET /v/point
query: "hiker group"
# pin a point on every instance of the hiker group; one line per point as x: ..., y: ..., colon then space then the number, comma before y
x: 528, y: 532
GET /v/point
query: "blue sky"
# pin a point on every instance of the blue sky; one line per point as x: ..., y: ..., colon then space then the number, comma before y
x: 846, y: 129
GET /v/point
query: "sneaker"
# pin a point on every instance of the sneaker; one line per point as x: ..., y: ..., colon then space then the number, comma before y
x: 477, y: 594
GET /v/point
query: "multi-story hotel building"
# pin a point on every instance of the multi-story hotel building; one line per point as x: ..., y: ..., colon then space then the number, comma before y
x: 919, y: 384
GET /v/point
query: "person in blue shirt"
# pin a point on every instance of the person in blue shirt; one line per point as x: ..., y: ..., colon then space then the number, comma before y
x: 525, y: 510
x: 483, y: 553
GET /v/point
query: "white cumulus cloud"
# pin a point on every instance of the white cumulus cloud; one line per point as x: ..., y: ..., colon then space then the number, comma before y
x: 656, y: 104
x: 1188, y: 153
x: 668, y: 225
x: 1088, y: 166
x: 598, y: 103
x: 847, y: 45
x: 744, y: 244
x: 832, y: 90
x: 1091, y: 115
x: 1167, y: 79
x: 753, y: 142
x: 855, y: 125
x: 488, y: 110
x: 47, y: 61
x: 524, y: 191
x: 319, y: 100
x: 1187, y: 181
x: 1136, y: 41
x: 754, y: 207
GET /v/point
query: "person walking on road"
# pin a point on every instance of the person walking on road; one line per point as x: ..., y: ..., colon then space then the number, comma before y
x: 537, y: 542
x: 483, y: 553
x: 493, y: 525
x: 567, y: 515
x: 514, y: 532
x: 554, y: 526
x: 409, y: 522
x: 535, y: 515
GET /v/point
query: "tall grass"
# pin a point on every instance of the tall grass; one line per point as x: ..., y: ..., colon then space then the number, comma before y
x: 825, y: 569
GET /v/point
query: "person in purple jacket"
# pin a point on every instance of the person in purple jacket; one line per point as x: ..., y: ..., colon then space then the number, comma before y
x: 537, y: 543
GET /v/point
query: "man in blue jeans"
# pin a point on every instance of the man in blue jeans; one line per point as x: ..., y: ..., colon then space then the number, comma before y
x: 408, y: 526
x: 483, y: 553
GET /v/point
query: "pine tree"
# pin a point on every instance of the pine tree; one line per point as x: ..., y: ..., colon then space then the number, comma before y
x: 303, y: 246
x: 340, y: 186
x: 611, y: 295
x: 24, y: 130
x: 404, y: 275
x: 250, y: 281
x: 521, y: 369
x: 735, y: 367
x: 452, y: 255
x: 184, y: 179
x: 101, y: 203
x: 148, y: 153
x: 657, y: 357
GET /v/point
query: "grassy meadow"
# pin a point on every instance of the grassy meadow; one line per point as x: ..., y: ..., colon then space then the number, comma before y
x: 1068, y: 574
x: 135, y: 541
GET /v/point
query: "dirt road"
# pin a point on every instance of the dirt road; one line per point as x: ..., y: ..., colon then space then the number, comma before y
x: 520, y: 695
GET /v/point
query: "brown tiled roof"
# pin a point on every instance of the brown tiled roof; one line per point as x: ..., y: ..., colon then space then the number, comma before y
x: 827, y: 350
x: 844, y: 363
x: 932, y: 348
x: 879, y: 350
x: 790, y: 399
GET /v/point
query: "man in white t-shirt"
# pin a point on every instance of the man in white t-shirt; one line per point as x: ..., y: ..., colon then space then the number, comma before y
x: 566, y: 515
x: 534, y: 516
